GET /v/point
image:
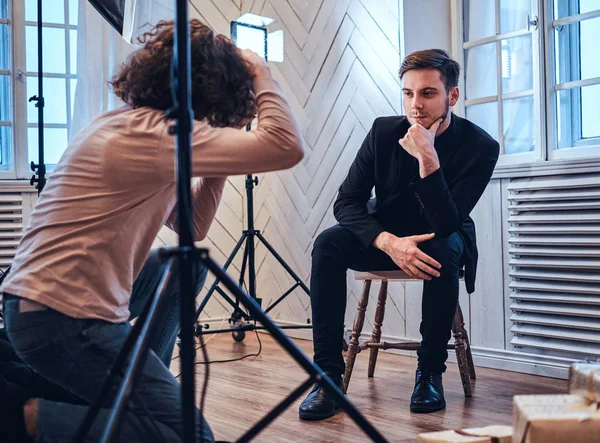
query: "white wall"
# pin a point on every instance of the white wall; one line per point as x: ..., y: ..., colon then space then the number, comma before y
x: 426, y: 25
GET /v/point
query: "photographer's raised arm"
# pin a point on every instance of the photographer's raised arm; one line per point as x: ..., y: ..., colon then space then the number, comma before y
x: 206, y: 196
x: 275, y: 144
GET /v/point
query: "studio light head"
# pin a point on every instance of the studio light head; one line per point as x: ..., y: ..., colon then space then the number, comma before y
x: 250, y: 31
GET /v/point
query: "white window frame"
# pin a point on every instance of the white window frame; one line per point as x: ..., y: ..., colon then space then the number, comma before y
x: 9, y: 123
x: 460, y: 46
x: 19, y: 97
x: 546, y: 157
x: 581, y: 149
x: 18, y: 104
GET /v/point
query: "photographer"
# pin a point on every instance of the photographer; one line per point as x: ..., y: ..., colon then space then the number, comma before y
x: 68, y: 293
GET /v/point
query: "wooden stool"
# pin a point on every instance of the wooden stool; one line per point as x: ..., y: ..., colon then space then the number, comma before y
x: 461, y: 339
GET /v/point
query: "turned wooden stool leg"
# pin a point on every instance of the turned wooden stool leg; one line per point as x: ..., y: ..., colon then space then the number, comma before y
x: 469, y: 354
x: 461, y: 320
x: 359, y: 321
x: 376, y: 338
x: 458, y: 329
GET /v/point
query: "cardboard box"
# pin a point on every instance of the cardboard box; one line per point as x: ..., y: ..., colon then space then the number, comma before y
x: 489, y: 434
x: 584, y: 380
x: 555, y: 419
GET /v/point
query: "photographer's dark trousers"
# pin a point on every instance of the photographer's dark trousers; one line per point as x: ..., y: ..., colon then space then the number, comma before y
x: 336, y: 250
x: 76, y: 354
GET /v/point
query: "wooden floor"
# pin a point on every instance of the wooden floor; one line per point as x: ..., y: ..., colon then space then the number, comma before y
x: 240, y: 393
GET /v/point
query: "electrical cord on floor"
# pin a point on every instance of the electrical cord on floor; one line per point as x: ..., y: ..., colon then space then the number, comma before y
x: 256, y: 354
x: 205, y: 342
x: 208, y: 362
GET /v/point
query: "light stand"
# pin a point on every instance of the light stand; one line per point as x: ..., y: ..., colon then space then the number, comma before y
x: 38, y: 179
x: 188, y: 256
x: 248, y: 238
x: 39, y: 170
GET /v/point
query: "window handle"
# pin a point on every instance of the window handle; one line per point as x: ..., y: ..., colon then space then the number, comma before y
x: 532, y: 21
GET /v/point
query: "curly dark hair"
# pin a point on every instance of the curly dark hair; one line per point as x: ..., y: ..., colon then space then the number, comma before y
x: 221, y: 81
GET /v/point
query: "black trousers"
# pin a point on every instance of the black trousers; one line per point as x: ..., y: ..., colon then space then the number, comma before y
x: 336, y: 250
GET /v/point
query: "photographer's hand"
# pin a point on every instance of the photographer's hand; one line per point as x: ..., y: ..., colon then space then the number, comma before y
x: 257, y: 65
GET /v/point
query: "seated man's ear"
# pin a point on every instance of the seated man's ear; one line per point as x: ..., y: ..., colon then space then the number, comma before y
x: 453, y: 95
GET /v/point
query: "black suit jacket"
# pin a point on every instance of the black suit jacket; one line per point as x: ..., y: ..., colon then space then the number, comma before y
x: 405, y: 204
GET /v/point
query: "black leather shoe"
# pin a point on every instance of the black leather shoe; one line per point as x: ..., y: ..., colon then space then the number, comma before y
x: 318, y: 405
x: 428, y: 395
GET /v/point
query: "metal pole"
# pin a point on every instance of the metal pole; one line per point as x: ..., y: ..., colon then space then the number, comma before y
x: 183, y: 129
x: 40, y: 168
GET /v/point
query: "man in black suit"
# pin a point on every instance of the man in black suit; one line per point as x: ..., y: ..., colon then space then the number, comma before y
x: 429, y: 169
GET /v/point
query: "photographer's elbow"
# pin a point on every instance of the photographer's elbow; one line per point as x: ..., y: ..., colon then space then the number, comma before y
x: 294, y: 154
x: 298, y: 154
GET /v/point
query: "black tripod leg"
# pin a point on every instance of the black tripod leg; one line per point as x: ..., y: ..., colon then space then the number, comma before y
x: 292, y: 349
x: 115, y: 371
x: 213, y: 287
x: 136, y: 362
x: 137, y: 344
x: 280, y: 299
x: 244, y: 262
x: 289, y: 270
x: 283, y: 263
x: 237, y: 312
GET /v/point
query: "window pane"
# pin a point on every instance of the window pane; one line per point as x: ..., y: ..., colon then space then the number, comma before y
x: 54, y: 52
x: 564, y: 8
x: 518, y: 125
x: 577, y: 115
x: 590, y: 111
x: 73, y: 11
x: 576, y: 50
x: 4, y: 47
x: 5, y: 147
x: 3, y: 8
x: 73, y: 86
x: 55, y: 97
x: 485, y: 116
x: 479, y: 19
x: 5, y: 98
x: 53, y: 11
x: 513, y: 15
x: 73, y: 51
x: 55, y: 143
x: 517, y: 65
x: 480, y: 71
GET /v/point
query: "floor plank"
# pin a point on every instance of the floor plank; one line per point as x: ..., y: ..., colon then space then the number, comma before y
x: 240, y: 393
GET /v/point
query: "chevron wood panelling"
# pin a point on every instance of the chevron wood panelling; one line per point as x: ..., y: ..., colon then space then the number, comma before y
x: 339, y: 74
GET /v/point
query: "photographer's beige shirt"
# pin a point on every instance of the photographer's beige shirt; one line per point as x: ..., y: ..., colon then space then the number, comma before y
x: 114, y: 188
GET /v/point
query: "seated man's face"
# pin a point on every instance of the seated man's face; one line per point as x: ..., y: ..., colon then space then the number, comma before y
x: 425, y: 98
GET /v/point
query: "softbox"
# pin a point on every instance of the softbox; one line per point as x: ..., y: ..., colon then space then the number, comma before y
x: 113, y: 11
x: 131, y: 18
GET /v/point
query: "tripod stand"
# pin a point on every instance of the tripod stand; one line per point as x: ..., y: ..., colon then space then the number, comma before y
x: 238, y: 317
